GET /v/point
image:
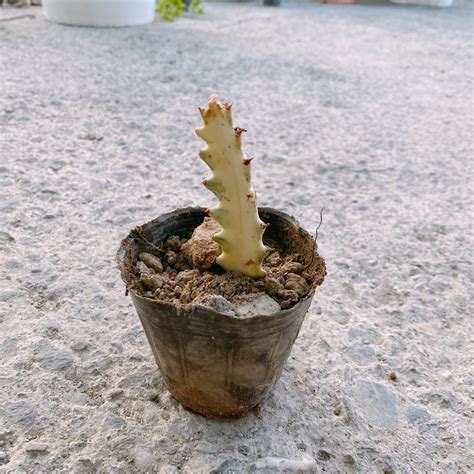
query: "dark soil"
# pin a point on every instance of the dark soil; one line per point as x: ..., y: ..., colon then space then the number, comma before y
x: 167, y: 276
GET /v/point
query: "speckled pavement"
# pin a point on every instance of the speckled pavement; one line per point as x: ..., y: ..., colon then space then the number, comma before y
x: 365, y: 111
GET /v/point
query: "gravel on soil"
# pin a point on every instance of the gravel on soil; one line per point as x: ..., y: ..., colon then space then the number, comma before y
x: 365, y: 111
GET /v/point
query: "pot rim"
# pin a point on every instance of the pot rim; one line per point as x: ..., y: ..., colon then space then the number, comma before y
x: 200, y: 310
x: 197, y: 309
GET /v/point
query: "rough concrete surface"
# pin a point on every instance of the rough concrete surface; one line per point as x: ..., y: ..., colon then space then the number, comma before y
x: 364, y: 110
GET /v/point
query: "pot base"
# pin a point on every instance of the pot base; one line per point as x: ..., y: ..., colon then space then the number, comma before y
x: 214, y: 403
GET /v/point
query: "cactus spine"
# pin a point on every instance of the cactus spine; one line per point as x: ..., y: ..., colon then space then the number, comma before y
x: 240, y: 240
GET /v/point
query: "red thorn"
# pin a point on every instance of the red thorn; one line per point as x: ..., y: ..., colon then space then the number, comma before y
x: 238, y: 131
x: 247, y: 161
x: 264, y: 226
x: 204, y: 182
x: 249, y: 196
x: 228, y: 105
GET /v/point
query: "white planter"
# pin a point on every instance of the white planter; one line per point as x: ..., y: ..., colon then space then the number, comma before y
x: 100, y: 12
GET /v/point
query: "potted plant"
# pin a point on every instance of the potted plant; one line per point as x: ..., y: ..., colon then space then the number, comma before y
x: 100, y: 12
x: 221, y: 292
x: 170, y: 9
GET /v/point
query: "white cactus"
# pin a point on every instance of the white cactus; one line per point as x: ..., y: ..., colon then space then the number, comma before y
x: 241, y: 237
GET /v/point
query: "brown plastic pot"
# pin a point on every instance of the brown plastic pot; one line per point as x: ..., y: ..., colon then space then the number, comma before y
x: 215, y: 364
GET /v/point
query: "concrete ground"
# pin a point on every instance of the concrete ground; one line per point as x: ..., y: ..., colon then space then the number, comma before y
x: 365, y: 111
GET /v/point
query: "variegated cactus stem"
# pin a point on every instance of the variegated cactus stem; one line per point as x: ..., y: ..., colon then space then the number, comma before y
x: 240, y: 239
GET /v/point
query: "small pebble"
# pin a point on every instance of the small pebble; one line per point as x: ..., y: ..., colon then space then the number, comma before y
x: 288, y: 294
x: 142, y: 269
x: 297, y: 283
x: 272, y: 285
x: 292, y: 267
x: 200, y: 250
x: 288, y: 298
x: 218, y: 303
x: 260, y: 305
x: 153, y: 282
x: 151, y: 261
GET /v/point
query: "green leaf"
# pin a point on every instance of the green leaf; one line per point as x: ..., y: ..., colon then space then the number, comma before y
x: 170, y: 9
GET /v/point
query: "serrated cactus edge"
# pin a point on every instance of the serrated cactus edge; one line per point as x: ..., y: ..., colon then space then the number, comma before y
x: 240, y: 239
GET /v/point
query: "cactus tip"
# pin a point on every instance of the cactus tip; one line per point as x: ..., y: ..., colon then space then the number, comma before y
x: 202, y: 112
